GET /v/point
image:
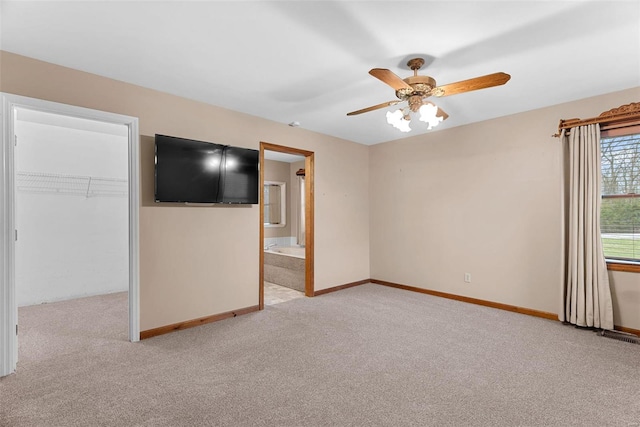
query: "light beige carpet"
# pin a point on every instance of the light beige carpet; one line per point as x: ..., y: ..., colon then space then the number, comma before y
x: 367, y: 355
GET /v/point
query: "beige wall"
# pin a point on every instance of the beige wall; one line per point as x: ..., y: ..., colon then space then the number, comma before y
x: 201, y: 261
x: 625, y: 291
x: 483, y: 199
x: 280, y: 172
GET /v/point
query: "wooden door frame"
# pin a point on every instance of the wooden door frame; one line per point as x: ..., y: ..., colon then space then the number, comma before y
x: 309, y: 208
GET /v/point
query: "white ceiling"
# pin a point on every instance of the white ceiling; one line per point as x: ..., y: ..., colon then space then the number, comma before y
x: 282, y: 157
x: 308, y: 61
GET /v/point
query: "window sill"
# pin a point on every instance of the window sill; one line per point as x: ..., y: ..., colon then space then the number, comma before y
x: 630, y: 267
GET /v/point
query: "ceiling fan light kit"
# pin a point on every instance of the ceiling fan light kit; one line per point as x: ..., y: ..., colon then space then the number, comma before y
x: 428, y: 114
x: 399, y: 120
x: 416, y: 89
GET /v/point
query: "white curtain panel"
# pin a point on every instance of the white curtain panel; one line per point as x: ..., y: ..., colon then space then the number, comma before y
x: 586, y: 296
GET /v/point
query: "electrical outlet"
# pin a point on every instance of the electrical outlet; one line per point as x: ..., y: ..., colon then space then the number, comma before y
x: 467, y: 277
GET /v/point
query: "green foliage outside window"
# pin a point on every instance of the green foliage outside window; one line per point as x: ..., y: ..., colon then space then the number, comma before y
x: 620, y: 210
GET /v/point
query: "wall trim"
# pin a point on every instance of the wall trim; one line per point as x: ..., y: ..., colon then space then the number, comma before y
x: 149, y: 333
x: 216, y: 317
x: 627, y: 330
x: 340, y: 287
x: 626, y: 267
x: 498, y: 305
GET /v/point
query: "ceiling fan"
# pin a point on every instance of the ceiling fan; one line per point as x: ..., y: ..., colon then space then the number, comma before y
x: 416, y: 89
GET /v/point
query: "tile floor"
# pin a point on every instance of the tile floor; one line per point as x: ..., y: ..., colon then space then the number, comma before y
x: 275, y: 294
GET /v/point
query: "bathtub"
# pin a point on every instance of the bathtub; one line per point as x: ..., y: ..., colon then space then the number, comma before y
x: 294, y: 251
x: 285, y: 266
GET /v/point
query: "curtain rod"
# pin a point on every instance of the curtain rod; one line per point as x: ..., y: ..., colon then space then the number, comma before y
x: 625, y: 115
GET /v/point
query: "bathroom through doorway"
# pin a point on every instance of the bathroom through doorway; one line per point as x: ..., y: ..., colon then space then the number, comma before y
x: 286, y: 224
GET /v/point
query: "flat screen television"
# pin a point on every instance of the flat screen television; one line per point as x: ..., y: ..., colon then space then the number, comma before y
x: 190, y: 171
x: 240, y: 175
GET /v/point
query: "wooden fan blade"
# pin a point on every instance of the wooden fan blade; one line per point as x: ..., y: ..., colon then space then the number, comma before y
x: 388, y: 77
x: 375, y: 107
x: 440, y: 112
x: 490, y: 80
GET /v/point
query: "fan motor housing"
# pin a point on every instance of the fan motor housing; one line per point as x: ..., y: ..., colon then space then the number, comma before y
x: 420, y: 85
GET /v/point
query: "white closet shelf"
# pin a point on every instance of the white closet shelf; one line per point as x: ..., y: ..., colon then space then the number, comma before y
x: 87, y: 186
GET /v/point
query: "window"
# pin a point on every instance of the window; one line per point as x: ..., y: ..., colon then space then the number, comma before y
x: 620, y: 211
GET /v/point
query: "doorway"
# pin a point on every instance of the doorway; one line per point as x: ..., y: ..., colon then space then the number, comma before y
x: 70, y: 208
x: 13, y: 178
x: 307, y: 231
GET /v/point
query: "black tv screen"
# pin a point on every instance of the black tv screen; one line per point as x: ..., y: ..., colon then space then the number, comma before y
x: 189, y: 171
